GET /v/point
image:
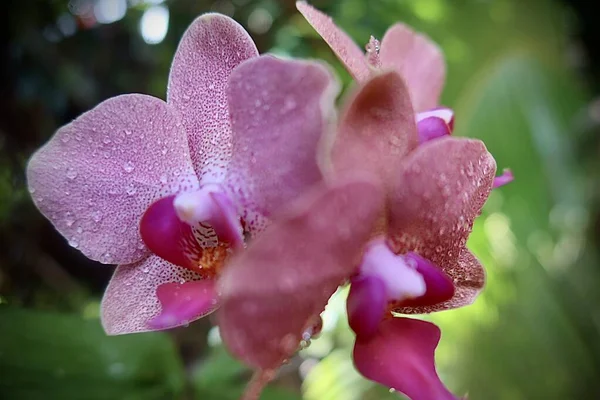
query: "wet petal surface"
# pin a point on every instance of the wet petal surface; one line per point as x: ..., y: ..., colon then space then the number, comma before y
x: 209, y: 50
x: 279, y: 111
x: 418, y: 60
x: 342, y: 45
x: 130, y: 300
x: 276, y: 289
x: 443, y: 186
x: 97, y: 175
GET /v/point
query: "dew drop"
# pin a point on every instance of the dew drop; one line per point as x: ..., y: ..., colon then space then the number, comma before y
x: 73, y: 243
x: 79, y: 230
x: 128, y: 166
x: 65, y: 138
x: 106, y: 140
x: 71, y: 173
x: 127, y: 132
x: 97, y: 216
x: 131, y: 190
x: 146, y: 270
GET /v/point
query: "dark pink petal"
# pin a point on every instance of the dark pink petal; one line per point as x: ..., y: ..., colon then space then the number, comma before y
x: 97, y: 175
x: 377, y: 128
x: 418, y: 60
x: 275, y: 290
x: 401, y: 356
x: 342, y: 45
x: 366, y: 304
x: 184, y: 302
x: 439, y: 286
x: 211, y: 47
x: 211, y: 206
x: 279, y: 112
x: 446, y: 114
x: 504, y: 179
x: 432, y: 128
x: 167, y: 236
x: 442, y: 188
x: 130, y: 300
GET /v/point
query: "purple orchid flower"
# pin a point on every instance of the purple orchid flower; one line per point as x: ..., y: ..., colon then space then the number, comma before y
x: 168, y: 190
x: 414, y: 56
x: 409, y: 256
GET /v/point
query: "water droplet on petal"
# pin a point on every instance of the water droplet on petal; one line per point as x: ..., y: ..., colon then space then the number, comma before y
x: 106, y: 140
x: 128, y: 166
x: 131, y: 190
x: 65, y: 138
x: 71, y: 173
x: 97, y: 216
x: 73, y: 243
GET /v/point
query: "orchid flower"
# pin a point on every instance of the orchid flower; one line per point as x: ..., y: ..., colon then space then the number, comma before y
x: 168, y: 190
x: 417, y: 59
x: 413, y: 260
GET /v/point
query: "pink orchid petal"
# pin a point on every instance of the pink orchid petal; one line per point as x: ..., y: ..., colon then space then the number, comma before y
x: 432, y: 128
x: 418, y: 60
x: 184, y: 302
x: 342, y: 45
x: 130, y: 300
x: 504, y: 179
x: 97, y: 175
x: 446, y: 114
x: 401, y: 356
x: 377, y: 129
x: 444, y: 184
x: 366, y: 304
x: 279, y: 112
x: 167, y: 236
x: 276, y: 289
x: 439, y: 286
x: 211, y: 47
x: 210, y: 206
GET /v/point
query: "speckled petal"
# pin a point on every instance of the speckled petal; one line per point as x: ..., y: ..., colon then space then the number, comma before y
x: 377, y: 129
x: 276, y: 289
x: 97, y: 175
x: 443, y: 186
x: 211, y: 47
x: 342, y: 45
x: 279, y: 111
x: 130, y: 300
x: 419, y: 61
x: 184, y: 302
x: 401, y: 356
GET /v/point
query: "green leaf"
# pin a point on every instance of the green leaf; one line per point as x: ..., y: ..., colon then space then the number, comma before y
x: 56, y: 356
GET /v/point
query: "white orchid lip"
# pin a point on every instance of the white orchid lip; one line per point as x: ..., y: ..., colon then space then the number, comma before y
x: 210, y: 205
x: 401, y: 279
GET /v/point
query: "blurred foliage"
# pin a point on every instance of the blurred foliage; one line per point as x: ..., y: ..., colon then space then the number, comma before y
x: 512, y: 79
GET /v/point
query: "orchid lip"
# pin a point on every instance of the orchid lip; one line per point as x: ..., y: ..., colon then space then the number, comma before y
x: 211, y: 205
x: 446, y: 114
x: 401, y: 280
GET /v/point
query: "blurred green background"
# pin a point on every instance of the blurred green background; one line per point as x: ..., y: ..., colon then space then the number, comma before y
x: 522, y: 77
